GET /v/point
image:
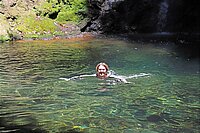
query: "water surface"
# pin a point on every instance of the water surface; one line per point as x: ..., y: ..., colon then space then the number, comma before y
x: 34, y: 99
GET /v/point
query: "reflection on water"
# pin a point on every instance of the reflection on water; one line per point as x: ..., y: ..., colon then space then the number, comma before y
x: 34, y: 99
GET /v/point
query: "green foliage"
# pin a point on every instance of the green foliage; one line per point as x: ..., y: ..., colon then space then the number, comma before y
x: 67, y: 15
x: 34, y: 25
x: 4, y: 38
x: 39, y: 21
x: 66, y: 10
x: 46, y: 8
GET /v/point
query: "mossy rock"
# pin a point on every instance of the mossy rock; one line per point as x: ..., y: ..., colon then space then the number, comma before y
x: 32, y: 19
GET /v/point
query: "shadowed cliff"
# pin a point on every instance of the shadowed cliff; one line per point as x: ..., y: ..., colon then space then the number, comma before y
x: 144, y: 16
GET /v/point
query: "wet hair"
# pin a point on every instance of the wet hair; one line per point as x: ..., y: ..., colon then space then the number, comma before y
x: 103, y: 64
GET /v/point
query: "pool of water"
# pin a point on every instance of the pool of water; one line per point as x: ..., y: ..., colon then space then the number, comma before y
x: 34, y: 99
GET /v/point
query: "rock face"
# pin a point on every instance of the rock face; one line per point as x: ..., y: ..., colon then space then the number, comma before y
x: 122, y: 15
x: 118, y: 16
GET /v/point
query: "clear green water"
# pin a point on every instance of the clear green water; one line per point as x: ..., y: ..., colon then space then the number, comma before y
x: 34, y: 99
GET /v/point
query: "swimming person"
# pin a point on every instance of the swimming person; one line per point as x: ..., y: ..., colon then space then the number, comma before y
x: 103, y: 72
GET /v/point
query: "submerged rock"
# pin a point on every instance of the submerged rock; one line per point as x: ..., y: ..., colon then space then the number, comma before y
x: 154, y: 118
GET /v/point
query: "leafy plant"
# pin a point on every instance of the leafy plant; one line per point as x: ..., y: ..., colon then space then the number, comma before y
x: 63, y: 10
x: 4, y: 38
x: 35, y: 26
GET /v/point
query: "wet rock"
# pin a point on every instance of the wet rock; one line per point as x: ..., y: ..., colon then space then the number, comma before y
x: 121, y: 15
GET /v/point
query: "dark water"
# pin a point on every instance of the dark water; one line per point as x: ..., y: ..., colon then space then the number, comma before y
x: 34, y: 99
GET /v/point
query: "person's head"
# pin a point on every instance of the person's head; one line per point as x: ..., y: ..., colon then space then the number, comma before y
x: 102, y: 70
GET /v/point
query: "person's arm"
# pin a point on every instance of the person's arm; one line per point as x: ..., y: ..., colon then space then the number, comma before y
x: 138, y: 75
x: 118, y: 78
x: 78, y: 77
x: 123, y: 79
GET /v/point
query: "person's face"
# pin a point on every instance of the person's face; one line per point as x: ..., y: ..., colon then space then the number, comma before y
x: 102, y: 72
x: 102, y: 69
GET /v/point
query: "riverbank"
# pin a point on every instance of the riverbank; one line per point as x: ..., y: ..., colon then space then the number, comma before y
x: 65, y: 31
x: 81, y: 36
